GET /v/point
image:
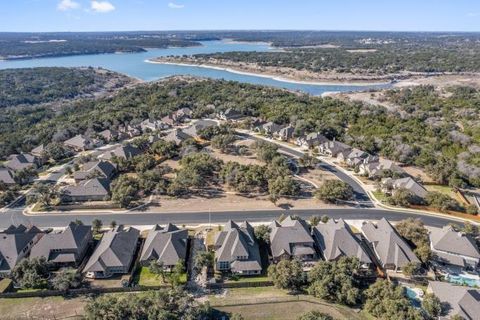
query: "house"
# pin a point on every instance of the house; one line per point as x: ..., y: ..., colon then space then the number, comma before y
x: 66, y: 248
x: 95, y: 169
x: 335, y: 239
x: 333, y: 148
x: 17, y: 162
x: 379, y: 168
x: 153, y: 125
x: 108, y: 135
x: 81, y: 143
x: 390, y: 248
x: 114, y: 254
x: 457, y: 300
x: 236, y: 250
x: 453, y: 248
x: 285, y: 133
x: 194, y: 129
x: 126, y: 152
x: 15, y: 244
x: 96, y: 189
x: 130, y: 131
x: 390, y: 185
x: 165, y: 245
x: 38, y: 151
x: 177, y: 136
x: 270, y: 128
x: 352, y: 157
x: 229, y: 115
x: 183, y: 114
x: 291, y: 239
x: 7, y: 176
x: 311, y: 140
x: 169, y: 121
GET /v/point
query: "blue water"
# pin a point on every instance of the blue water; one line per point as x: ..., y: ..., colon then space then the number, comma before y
x: 459, y: 279
x: 134, y: 65
x: 413, y: 297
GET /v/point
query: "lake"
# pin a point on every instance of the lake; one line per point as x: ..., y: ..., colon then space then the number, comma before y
x: 135, y: 65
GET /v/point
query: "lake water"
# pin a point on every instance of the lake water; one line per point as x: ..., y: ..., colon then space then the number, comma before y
x: 135, y: 65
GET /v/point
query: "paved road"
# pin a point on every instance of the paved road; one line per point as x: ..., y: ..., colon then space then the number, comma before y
x: 360, y: 194
x: 16, y: 216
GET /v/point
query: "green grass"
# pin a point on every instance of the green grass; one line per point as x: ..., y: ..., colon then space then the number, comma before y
x: 5, y: 284
x: 442, y: 189
x: 143, y: 277
x: 249, y: 279
x: 380, y: 196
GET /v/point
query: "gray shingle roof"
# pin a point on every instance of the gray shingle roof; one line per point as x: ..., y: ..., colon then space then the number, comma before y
x: 408, y: 184
x: 126, y: 152
x: 79, y: 142
x: 167, y: 245
x: 462, y: 301
x: 238, y: 241
x: 13, y: 241
x: 336, y: 239
x: 448, y: 241
x: 92, y: 187
x: 389, y: 246
x: 104, y: 169
x: 177, y: 136
x: 195, y: 128
x: 20, y: 161
x: 116, y: 249
x: 288, y: 235
x: 74, y: 239
x: 6, y: 176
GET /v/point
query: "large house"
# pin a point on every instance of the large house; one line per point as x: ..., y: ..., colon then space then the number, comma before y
x: 335, y: 239
x: 291, y: 239
x: 311, y: 140
x: 81, y: 143
x: 390, y: 185
x: 7, y: 176
x: 95, y: 169
x: 270, y: 128
x: 456, y: 300
x: 15, y: 244
x: 195, y: 129
x: 333, y: 148
x: 96, y: 189
x: 153, y: 125
x: 352, y: 157
x: 236, y: 250
x: 230, y: 115
x: 66, y: 248
x: 114, y: 254
x: 17, y: 162
x: 126, y: 152
x: 108, y: 135
x: 378, y: 168
x: 286, y: 133
x: 392, y: 251
x: 166, y: 245
x: 177, y: 136
x: 453, y: 248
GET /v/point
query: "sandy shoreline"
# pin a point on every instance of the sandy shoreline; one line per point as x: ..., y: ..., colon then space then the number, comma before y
x: 272, y: 76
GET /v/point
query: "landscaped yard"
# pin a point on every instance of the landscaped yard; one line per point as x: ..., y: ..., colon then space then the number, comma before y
x: 143, y: 277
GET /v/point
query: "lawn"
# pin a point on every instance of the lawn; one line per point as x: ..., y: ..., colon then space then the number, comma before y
x: 380, y: 196
x: 143, y: 277
x: 248, y: 279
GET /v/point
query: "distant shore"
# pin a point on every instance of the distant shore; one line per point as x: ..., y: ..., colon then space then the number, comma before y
x: 269, y: 75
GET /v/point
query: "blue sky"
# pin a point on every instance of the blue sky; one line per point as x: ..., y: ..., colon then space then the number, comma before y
x: 112, y: 15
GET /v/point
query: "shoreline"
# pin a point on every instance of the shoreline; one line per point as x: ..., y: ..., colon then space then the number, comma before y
x: 274, y: 77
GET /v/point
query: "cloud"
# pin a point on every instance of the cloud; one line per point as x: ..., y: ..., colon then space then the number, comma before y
x: 172, y: 5
x: 473, y: 14
x: 66, y: 5
x: 102, y: 6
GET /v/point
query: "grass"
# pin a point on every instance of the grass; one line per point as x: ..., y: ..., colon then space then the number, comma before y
x: 380, y: 196
x: 442, y: 189
x: 143, y: 277
x: 245, y: 279
x: 5, y: 284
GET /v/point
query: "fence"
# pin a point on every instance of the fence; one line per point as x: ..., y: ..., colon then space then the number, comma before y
x: 240, y: 284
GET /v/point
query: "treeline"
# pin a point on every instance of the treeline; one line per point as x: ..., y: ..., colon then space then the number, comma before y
x: 438, y: 132
x: 37, y: 45
x: 383, y: 60
x: 41, y: 85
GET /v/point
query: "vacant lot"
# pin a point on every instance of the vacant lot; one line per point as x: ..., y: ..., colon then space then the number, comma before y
x: 42, y: 308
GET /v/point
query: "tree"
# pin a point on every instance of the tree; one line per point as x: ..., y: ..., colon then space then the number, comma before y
x: 166, y: 149
x: 412, y: 269
x: 266, y: 151
x: 97, y: 225
x: 162, y: 304
x: 175, y: 276
x: 113, y: 224
x: 262, y: 233
x: 314, y: 315
x: 334, y: 190
x: 43, y: 194
x: 414, y: 231
x: 403, y: 197
x: 287, y: 274
x: 432, y: 305
x: 441, y: 201
x: 387, y: 301
x: 307, y: 161
x: 283, y: 186
x: 65, y: 279
x: 314, y: 221
x: 223, y: 142
x: 31, y: 273
x: 472, y: 209
x: 125, y: 190
x: 336, y: 280
x: 156, y: 267
x: 203, y: 259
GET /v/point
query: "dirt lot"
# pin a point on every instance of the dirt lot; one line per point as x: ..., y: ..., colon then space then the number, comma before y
x: 42, y: 308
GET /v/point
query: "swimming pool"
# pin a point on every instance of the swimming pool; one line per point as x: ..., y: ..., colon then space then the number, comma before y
x: 414, y: 295
x: 464, y: 279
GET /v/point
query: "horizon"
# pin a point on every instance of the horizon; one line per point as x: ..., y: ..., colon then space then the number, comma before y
x: 213, y: 15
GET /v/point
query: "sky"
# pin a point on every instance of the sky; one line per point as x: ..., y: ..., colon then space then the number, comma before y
x: 123, y: 15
